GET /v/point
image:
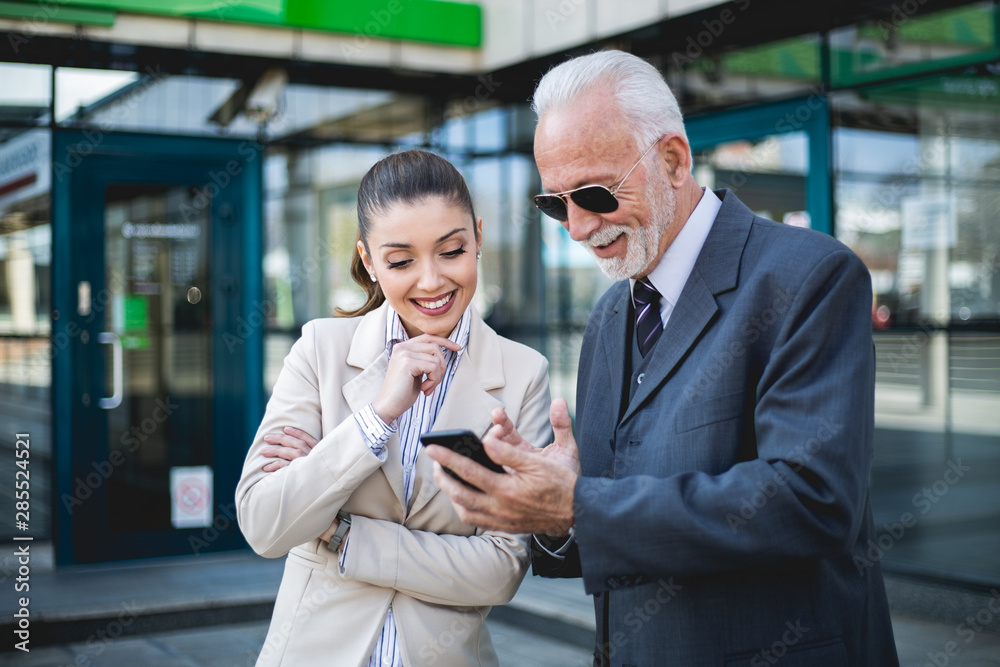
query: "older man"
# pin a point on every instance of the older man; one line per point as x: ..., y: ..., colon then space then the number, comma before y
x: 718, y: 509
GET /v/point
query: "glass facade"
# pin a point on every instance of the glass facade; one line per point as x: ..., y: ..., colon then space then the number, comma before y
x: 917, y: 169
x: 912, y: 165
x: 25, y: 280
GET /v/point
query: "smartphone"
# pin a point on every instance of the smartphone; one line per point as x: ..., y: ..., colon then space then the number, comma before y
x: 465, y: 443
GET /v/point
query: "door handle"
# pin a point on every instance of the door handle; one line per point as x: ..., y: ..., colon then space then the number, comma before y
x: 117, y: 371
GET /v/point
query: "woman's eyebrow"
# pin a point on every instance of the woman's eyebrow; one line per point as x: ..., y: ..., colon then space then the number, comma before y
x: 454, y: 231
x: 407, y: 245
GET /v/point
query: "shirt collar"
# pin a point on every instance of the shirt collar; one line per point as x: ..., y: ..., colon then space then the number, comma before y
x: 674, y: 268
x: 395, y: 333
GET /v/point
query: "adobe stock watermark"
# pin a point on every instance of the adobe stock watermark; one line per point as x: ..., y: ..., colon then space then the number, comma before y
x: 374, y: 28
x: 445, y: 641
x: 562, y: 13
x: 94, y: 137
x: 220, y: 179
x: 130, y: 440
x: 97, y: 643
x: 470, y: 104
x: 768, y: 489
x: 911, y: 347
x: 752, y: 330
x: 887, y: 199
x: 29, y: 28
x: 773, y: 654
x: 319, y: 593
x: 697, y: 44
x: 924, y: 501
x: 224, y: 518
x: 901, y: 13
x: 967, y: 631
x: 641, y: 615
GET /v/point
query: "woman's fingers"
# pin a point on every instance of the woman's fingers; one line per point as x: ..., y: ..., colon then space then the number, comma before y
x: 438, y: 341
x: 285, y: 447
x: 416, y: 365
x: 292, y: 437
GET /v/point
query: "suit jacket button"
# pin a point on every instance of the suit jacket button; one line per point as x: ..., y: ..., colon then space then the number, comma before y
x: 639, y: 379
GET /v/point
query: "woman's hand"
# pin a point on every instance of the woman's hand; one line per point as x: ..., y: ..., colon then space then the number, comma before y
x: 417, y: 365
x: 286, y: 446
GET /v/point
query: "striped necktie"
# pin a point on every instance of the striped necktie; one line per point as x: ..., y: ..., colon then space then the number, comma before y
x: 648, y: 325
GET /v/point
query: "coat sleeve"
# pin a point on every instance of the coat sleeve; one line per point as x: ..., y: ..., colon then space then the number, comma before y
x: 481, y: 569
x: 282, y: 509
x: 813, y: 422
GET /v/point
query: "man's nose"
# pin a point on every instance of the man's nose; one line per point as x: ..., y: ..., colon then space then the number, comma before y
x: 580, y: 223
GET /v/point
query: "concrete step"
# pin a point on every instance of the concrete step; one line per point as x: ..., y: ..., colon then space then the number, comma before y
x: 106, y: 601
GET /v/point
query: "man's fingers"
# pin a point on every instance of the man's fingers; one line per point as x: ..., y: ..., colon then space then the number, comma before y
x: 276, y: 464
x: 464, y: 467
x: 502, y: 419
x: 562, y: 425
x: 503, y: 429
x: 509, y: 454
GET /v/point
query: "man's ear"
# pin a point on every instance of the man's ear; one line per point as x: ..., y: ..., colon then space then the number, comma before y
x: 675, y: 153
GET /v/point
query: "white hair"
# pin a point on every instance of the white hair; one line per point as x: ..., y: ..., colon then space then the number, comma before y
x: 641, y: 94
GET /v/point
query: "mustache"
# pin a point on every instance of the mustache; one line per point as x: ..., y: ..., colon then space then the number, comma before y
x: 604, y: 236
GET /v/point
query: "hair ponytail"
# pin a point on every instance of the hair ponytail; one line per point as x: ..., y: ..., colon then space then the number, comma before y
x: 373, y: 291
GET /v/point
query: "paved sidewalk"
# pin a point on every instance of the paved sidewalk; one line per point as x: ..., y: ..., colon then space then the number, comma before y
x: 237, y: 645
x: 213, y: 610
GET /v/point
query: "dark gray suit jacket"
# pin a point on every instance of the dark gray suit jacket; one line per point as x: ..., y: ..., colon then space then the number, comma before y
x: 722, y: 517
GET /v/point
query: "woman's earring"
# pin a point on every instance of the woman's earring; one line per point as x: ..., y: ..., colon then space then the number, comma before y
x: 374, y: 279
x: 479, y: 255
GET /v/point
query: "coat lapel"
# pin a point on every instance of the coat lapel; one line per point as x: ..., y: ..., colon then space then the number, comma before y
x: 614, y: 338
x: 692, y: 315
x: 468, y: 404
x: 368, y: 354
x: 715, y: 271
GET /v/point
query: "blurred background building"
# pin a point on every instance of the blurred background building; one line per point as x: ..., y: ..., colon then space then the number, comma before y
x: 177, y: 185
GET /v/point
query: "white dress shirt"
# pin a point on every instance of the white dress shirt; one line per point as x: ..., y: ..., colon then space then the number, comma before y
x: 673, y: 270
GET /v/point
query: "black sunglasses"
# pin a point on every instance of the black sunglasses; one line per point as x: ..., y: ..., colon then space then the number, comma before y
x: 593, y: 198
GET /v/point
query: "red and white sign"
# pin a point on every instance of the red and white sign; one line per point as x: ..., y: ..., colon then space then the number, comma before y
x: 25, y: 167
x: 191, y: 496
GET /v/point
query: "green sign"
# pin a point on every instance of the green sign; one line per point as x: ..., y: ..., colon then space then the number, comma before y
x: 136, y: 312
x: 433, y: 21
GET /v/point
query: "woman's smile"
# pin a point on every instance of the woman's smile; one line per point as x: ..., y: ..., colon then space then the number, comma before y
x: 435, y: 305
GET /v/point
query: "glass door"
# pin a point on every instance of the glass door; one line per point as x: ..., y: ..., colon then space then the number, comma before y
x: 159, y: 350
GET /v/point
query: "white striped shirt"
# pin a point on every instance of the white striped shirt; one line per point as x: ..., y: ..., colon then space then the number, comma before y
x: 418, y: 419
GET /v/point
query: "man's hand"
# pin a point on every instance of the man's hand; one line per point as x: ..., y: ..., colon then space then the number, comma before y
x: 536, y: 494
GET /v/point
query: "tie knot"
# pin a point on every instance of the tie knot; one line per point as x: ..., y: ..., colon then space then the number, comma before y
x: 644, y: 292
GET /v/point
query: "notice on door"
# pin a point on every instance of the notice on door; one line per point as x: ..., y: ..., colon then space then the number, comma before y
x: 191, y: 496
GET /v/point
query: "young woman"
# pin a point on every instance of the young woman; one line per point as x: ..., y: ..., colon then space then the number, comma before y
x: 380, y: 570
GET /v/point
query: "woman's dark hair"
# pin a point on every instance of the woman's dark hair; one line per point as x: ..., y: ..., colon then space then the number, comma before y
x: 405, y: 177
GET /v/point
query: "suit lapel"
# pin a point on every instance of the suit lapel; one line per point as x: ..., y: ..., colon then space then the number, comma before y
x: 715, y: 271
x: 614, y: 338
x: 368, y: 353
x: 692, y: 315
x: 468, y: 404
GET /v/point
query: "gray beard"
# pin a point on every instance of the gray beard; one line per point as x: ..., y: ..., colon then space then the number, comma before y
x: 642, y: 243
